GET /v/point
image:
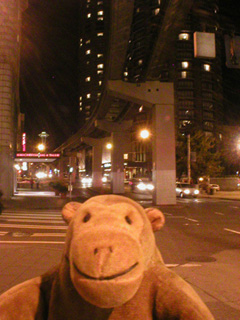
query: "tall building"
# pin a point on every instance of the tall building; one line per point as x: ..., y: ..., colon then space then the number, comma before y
x: 198, y: 81
x: 93, y: 46
x: 10, y: 37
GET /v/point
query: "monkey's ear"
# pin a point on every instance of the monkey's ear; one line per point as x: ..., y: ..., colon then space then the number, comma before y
x: 69, y: 210
x: 156, y: 218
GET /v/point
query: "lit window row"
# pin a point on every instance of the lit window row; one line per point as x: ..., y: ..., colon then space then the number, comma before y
x: 185, y: 65
x: 100, y: 13
x: 183, y: 36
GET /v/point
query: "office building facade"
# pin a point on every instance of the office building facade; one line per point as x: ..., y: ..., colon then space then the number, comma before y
x: 10, y: 37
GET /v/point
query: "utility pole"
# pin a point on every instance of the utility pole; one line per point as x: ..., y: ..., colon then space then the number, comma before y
x: 189, y: 157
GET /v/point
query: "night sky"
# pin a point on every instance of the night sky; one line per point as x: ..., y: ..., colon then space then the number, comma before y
x: 48, y: 69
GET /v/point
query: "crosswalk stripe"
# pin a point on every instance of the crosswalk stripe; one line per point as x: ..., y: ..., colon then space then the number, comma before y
x: 21, y: 226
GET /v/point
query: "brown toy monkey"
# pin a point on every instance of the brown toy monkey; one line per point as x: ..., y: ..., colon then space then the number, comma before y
x: 111, y: 269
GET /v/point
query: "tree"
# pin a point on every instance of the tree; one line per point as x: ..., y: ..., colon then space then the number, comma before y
x: 208, y: 160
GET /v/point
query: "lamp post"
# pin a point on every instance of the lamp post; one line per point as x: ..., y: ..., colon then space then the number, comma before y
x: 189, y: 157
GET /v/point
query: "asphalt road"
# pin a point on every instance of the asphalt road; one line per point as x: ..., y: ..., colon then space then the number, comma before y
x: 200, y: 241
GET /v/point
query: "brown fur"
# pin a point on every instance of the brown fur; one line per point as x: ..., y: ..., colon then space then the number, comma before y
x: 111, y: 269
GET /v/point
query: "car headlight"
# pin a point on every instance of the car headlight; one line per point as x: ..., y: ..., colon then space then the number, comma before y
x: 141, y: 186
x: 187, y: 191
x: 150, y: 186
x: 196, y: 191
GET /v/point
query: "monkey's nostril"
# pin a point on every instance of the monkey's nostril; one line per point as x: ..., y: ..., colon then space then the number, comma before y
x: 95, y: 251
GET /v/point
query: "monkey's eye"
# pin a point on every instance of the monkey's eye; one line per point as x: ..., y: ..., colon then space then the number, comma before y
x: 128, y: 220
x: 87, y: 217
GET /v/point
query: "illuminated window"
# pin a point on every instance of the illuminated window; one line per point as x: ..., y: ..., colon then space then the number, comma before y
x: 99, y: 83
x: 183, y: 36
x: 125, y: 74
x: 184, y: 74
x: 88, y: 41
x: 100, y: 72
x: 80, y: 103
x: 100, y: 55
x: 80, y: 109
x: 88, y: 107
x: 99, y: 3
x: 207, y: 67
x: 89, y: 15
x: 100, y: 34
x: 88, y: 95
x: 140, y: 62
x: 80, y: 98
x: 99, y: 94
x: 100, y: 66
x: 80, y: 43
x: 100, y: 13
x: 185, y: 64
x: 88, y: 51
x: 156, y: 11
x: 88, y: 79
x: 100, y: 18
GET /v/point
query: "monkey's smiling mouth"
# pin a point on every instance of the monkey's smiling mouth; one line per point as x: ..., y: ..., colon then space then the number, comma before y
x: 108, y: 277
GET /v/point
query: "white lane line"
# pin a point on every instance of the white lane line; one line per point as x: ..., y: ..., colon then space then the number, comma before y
x: 48, y: 235
x: 171, y: 265
x: 21, y: 226
x: 190, y: 265
x: 191, y: 219
x: 167, y: 214
x: 219, y: 213
x: 176, y: 217
x: 32, y: 242
x: 233, y: 231
x: 35, y: 220
x: 2, y: 233
x: 31, y: 216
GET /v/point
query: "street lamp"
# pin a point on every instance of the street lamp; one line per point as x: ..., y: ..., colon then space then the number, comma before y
x: 41, y: 147
x: 144, y: 134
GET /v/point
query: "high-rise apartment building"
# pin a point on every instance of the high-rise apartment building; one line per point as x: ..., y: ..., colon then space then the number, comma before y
x: 198, y: 81
x: 93, y: 46
x: 10, y: 37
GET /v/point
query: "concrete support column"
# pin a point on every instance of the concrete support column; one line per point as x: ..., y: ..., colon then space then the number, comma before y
x: 120, y: 140
x: 164, y: 173
x: 160, y: 97
x: 96, y: 160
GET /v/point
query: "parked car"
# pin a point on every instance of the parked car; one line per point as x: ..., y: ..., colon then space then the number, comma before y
x: 214, y: 186
x: 186, y: 190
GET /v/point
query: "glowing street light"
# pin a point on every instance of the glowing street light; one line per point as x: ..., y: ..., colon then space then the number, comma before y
x: 41, y: 147
x: 109, y: 146
x: 144, y: 134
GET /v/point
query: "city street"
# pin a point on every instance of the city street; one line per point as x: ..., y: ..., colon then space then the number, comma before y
x: 200, y: 241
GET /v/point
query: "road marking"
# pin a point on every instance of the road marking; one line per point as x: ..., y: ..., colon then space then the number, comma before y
x: 233, y: 231
x: 3, y: 233
x: 48, y: 234
x: 219, y: 213
x: 35, y: 220
x: 20, y: 226
x: 167, y: 214
x: 32, y: 242
x: 190, y: 265
x: 171, y: 265
x: 191, y: 219
x: 234, y: 207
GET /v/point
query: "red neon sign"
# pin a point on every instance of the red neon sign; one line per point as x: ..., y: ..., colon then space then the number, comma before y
x: 38, y: 155
x: 24, y: 142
